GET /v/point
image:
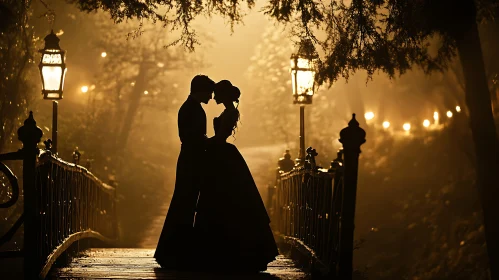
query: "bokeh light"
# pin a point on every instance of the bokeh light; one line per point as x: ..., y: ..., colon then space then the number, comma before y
x: 84, y: 89
x: 103, y: 54
x: 386, y: 124
x: 369, y: 115
x: 449, y: 114
x: 426, y: 123
x: 458, y: 109
x: 406, y: 126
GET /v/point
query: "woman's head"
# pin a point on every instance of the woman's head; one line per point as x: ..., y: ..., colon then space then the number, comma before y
x: 226, y: 92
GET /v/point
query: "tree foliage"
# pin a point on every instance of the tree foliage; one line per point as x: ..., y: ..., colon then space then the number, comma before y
x: 16, y: 66
x: 173, y: 14
x: 388, y: 36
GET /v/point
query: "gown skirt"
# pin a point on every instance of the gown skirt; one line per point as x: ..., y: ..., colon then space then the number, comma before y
x: 231, y: 224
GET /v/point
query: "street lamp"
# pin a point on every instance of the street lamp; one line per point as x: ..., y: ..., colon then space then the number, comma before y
x: 53, y: 70
x: 303, y: 82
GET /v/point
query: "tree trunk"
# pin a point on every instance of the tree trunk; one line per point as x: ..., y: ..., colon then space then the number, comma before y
x: 133, y: 107
x: 484, y: 135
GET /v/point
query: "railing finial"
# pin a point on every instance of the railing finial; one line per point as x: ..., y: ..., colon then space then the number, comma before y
x: 310, y: 159
x: 353, y: 121
x: 29, y: 133
x: 337, y: 162
x: 352, y: 136
x: 76, y: 156
x: 285, y: 163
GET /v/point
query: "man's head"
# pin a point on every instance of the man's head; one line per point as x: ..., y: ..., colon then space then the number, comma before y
x: 202, y: 88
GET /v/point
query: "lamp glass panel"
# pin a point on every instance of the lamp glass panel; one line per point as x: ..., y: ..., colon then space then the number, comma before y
x: 52, y: 58
x: 305, y: 82
x: 293, y: 81
x: 304, y: 63
x: 53, y: 95
x: 63, y: 78
x: 52, y: 76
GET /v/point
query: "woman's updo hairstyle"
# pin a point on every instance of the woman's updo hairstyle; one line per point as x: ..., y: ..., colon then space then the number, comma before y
x: 226, y: 90
x: 235, y: 94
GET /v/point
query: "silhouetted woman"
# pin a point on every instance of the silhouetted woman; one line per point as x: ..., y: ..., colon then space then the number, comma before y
x: 232, y: 224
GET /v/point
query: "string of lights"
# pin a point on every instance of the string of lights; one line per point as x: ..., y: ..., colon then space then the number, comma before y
x: 407, y: 126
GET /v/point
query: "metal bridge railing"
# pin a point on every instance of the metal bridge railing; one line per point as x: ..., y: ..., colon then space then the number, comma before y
x: 314, y: 208
x: 63, y: 203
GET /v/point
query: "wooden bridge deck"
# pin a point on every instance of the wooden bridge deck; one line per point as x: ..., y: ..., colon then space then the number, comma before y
x: 138, y: 263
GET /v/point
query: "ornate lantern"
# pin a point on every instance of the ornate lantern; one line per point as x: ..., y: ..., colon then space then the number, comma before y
x: 303, y: 72
x: 52, y: 68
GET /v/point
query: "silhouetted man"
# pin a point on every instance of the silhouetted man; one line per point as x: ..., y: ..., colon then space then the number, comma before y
x: 175, y: 243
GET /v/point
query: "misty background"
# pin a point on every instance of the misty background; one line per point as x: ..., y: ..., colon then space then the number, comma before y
x: 418, y: 215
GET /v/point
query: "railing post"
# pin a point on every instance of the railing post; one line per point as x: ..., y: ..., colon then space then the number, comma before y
x: 29, y: 134
x: 352, y: 137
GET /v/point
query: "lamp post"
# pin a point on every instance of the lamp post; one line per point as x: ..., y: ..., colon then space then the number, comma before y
x: 303, y: 82
x: 53, y: 70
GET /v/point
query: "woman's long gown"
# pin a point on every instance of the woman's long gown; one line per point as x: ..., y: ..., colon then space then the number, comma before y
x: 232, y: 224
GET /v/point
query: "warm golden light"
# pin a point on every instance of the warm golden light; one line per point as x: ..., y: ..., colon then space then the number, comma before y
x: 369, y: 115
x: 435, y: 116
x: 386, y: 124
x: 52, y: 68
x: 458, y: 109
x: 303, y: 67
x: 426, y: 123
x: 407, y: 126
x: 449, y: 114
x: 160, y: 64
x: 52, y: 76
x: 84, y: 89
x: 103, y: 54
x: 146, y: 92
x: 304, y: 77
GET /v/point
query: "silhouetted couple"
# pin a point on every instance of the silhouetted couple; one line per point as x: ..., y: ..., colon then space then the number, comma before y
x: 217, y: 219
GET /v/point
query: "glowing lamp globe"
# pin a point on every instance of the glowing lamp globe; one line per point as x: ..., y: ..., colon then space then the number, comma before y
x: 303, y: 72
x: 52, y: 68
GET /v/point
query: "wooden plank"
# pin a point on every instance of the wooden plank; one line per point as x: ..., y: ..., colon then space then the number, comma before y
x: 133, y: 263
x: 118, y: 253
x: 148, y: 262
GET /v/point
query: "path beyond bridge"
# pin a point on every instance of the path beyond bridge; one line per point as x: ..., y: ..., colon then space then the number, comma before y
x: 137, y: 263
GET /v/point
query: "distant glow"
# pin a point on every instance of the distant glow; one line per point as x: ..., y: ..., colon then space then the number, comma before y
x: 449, y: 114
x: 426, y: 123
x: 92, y: 87
x: 458, y: 109
x: 386, y: 124
x: 132, y: 84
x: 369, y: 115
x: 435, y: 116
x: 407, y: 126
x: 60, y: 32
x: 146, y: 92
x: 103, y: 54
x: 160, y: 64
x: 84, y: 89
